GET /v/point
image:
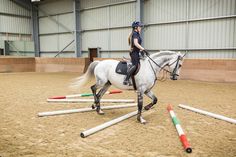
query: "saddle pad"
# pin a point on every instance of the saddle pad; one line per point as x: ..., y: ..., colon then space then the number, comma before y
x: 121, y: 68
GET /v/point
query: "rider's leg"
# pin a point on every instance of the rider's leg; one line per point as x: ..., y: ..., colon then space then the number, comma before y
x: 135, y: 62
x: 130, y: 71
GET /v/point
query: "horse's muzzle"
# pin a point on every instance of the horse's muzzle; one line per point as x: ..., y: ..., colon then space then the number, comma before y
x: 174, y: 77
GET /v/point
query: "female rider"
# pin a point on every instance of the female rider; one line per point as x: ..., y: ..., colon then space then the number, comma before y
x: 134, y: 41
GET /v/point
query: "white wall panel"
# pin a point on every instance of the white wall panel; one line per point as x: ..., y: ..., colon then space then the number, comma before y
x: 67, y: 20
x: 113, y: 54
x: 171, y: 36
x: 92, y: 3
x: 106, y: 17
x: 97, y: 18
x: 55, y: 7
x: 8, y: 6
x: 122, y: 15
x: 119, y: 39
x: 95, y: 39
x: 13, y: 37
x: 212, y: 34
x: 211, y: 8
x: 164, y: 10
x: 213, y: 54
x: 1, y: 43
x: 65, y: 39
x: 56, y: 42
x: 49, y: 43
x: 15, y: 25
x: 46, y: 25
x: 22, y: 46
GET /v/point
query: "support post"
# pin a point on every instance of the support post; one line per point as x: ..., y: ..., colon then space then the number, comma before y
x: 77, y: 28
x: 139, y: 10
x: 35, y: 29
x: 139, y: 13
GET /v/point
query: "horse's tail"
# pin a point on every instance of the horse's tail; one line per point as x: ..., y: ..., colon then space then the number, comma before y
x: 79, y: 82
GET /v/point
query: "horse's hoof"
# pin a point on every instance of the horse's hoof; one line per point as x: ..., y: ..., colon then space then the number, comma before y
x: 142, y: 121
x: 147, y: 108
x: 100, y: 112
x: 93, y: 107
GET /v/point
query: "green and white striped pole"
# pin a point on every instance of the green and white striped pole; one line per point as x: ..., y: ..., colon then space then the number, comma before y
x: 179, y: 129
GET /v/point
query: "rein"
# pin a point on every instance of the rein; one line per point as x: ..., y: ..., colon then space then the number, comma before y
x: 163, y: 78
x: 159, y: 65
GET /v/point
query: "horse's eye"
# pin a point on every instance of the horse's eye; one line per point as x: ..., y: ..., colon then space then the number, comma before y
x: 180, y: 66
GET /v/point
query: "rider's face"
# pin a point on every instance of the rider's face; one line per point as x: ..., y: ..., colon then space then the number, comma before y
x: 139, y: 29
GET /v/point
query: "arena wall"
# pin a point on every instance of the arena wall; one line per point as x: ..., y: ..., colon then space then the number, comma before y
x: 61, y: 64
x: 212, y: 70
x: 11, y: 64
x: 209, y: 70
x: 16, y: 64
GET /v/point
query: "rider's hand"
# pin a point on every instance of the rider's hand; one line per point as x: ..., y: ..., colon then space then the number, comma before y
x: 145, y: 52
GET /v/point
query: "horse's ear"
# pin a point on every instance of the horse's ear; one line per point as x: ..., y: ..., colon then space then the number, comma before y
x: 182, y: 55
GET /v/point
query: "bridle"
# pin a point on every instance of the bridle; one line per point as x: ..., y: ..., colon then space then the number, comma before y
x: 173, y: 73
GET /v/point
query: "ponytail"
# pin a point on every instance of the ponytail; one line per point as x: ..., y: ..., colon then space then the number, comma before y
x: 130, y: 38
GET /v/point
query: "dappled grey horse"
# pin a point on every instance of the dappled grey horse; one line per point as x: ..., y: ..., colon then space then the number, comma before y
x: 150, y: 66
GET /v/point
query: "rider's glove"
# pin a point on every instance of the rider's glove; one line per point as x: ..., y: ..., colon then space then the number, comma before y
x: 144, y: 52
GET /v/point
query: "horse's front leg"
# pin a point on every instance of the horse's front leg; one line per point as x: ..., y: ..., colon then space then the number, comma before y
x: 154, y: 100
x: 140, y: 108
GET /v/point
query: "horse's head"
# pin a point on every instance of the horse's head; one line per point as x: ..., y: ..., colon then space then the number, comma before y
x: 175, y: 64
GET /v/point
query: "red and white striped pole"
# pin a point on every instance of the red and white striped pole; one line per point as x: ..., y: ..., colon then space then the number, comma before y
x: 179, y: 129
x: 84, y: 95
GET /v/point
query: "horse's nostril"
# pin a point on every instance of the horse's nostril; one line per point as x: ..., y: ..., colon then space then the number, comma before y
x: 174, y: 77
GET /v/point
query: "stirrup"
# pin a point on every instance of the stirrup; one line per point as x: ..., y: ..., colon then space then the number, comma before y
x: 127, y: 83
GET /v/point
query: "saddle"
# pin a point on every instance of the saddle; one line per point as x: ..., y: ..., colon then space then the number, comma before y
x: 123, y: 67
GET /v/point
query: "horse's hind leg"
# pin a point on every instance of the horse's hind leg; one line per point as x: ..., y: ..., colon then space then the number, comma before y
x: 103, y: 90
x: 99, y: 83
x: 99, y: 96
x: 94, y: 90
x: 153, y: 97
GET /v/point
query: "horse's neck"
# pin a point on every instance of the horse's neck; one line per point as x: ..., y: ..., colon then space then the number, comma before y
x: 161, y: 61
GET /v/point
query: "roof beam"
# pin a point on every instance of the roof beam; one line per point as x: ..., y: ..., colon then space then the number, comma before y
x: 23, y: 3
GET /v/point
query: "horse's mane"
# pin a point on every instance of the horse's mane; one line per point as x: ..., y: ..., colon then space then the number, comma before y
x: 162, y: 53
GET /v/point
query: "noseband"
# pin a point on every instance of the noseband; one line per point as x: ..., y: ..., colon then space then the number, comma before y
x: 173, y: 74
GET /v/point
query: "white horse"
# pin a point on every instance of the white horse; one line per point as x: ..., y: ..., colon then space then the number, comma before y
x: 150, y: 66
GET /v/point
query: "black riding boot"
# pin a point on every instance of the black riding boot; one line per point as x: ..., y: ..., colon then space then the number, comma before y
x: 129, y: 73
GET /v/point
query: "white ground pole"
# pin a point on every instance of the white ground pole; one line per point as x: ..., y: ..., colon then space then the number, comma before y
x: 90, y: 100
x: 107, y: 124
x: 217, y: 116
x: 60, y: 112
